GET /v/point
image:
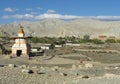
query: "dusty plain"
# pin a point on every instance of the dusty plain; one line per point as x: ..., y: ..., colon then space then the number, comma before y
x: 86, y: 64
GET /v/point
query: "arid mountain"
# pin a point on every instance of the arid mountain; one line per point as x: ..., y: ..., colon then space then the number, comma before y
x: 61, y: 28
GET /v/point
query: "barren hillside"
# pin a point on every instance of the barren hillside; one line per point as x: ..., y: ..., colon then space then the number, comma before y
x: 61, y: 28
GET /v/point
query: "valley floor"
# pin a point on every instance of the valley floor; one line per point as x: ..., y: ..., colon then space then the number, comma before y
x: 63, y: 66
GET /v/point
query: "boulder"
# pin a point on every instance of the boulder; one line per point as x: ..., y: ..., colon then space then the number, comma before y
x: 27, y: 71
x: 23, y: 66
x: 55, y: 68
x: 63, y: 74
x: 12, y: 65
x: 74, y: 67
x: 80, y: 67
x: 40, y: 72
x: 89, y: 65
x: 85, y: 76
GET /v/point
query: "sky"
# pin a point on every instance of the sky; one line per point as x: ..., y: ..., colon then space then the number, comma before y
x: 35, y: 10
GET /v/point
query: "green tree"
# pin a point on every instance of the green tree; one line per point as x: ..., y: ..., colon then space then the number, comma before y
x: 118, y: 40
x: 86, y: 38
x: 110, y: 41
x: 97, y: 41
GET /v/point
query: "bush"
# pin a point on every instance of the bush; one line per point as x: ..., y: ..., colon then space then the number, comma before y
x: 86, y: 37
x: 43, y: 40
x: 110, y: 41
x: 97, y: 41
x: 118, y: 41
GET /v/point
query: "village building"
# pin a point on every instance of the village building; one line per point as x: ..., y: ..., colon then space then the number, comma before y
x: 72, y: 44
x: 112, y: 37
x: 46, y: 47
x: 103, y: 37
x: 21, y: 46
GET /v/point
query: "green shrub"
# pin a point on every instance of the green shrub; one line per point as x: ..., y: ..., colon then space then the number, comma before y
x: 97, y: 41
x: 110, y: 41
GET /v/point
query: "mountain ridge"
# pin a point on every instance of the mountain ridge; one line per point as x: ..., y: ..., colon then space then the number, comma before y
x: 61, y: 28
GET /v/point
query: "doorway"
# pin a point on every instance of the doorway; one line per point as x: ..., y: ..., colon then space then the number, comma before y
x: 19, y: 52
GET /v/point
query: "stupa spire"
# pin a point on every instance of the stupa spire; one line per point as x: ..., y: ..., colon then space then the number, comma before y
x: 21, y: 32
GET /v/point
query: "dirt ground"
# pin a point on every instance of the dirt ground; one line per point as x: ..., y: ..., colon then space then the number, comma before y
x: 66, y: 65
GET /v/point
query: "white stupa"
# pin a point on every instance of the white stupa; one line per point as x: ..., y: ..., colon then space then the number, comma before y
x: 21, y: 46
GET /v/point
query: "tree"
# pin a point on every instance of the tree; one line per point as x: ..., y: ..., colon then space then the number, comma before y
x: 110, y: 41
x: 86, y: 38
x: 97, y: 41
x: 118, y: 41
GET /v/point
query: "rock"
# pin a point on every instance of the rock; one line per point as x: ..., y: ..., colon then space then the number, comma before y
x: 55, y: 68
x: 35, y: 67
x: 24, y: 70
x: 109, y: 75
x: 88, y: 65
x: 85, y: 76
x: 8, y: 57
x: 27, y: 71
x: 12, y: 65
x: 116, y: 67
x: 106, y: 67
x: 74, y: 67
x: 74, y: 73
x: 63, y: 74
x: 40, y: 72
x: 30, y: 71
x: 42, y: 68
x: 23, y: 66
x: 80, y: 67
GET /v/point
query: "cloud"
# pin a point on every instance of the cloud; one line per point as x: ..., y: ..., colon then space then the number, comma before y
x: 5, y: 17
x: 19, y: 16
x: 33, y: 13
x: 25, y: 16
x: 28, y: 9
x: 8, y: 10
x: 57, y: 16
x: 104, y: 18
x: 108, y: 17
x: 51, y: 11
x: 50, y: 14
x: 40, y: 17
x: 39, y: 8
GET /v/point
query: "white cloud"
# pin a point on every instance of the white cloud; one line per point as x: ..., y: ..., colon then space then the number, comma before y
x: 8, y: 10
x: 108, y: 17
x: 26, y: 16
x: 39, y: 8
x: 33, y: 13
x: 28, y: 9
x: 57, y: 16
x: 51, y: 11
x: 19, y: 16
x: 52, y: 14
x: 39, y: 17
x: 5, y: 17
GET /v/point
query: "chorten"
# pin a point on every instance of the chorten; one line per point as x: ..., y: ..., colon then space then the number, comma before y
x: 21, y: 46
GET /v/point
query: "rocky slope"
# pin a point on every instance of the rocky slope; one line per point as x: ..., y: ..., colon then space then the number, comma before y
x: 61, y: 28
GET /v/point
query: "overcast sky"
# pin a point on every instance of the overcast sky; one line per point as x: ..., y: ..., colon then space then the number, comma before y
x: 33, y: 10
